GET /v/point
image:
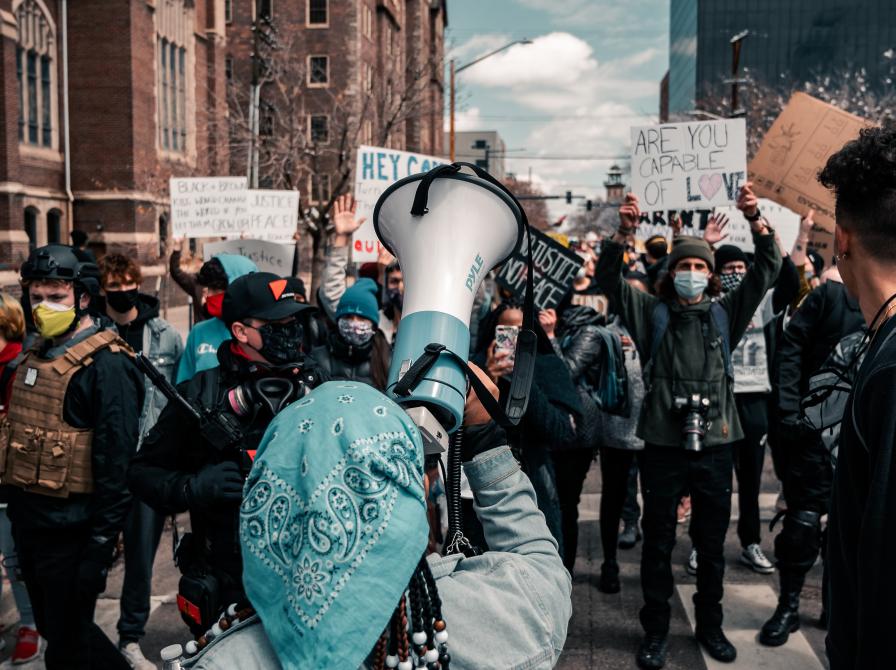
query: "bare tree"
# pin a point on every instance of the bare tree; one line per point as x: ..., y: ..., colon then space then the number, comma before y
x: 536, y: 210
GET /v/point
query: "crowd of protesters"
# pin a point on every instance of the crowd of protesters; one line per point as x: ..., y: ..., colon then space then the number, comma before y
x: 672, y: 362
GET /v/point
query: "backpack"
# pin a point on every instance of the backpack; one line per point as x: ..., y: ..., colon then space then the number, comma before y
x: 609, y: 378
x: 660, y: 319
x: 823, y: 406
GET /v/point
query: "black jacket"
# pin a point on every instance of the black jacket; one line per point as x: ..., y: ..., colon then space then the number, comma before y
x: 339, y: 360
x: 107, y: 397
x: 580, y: 341
x: 826, y: 316
x: 862, y: 526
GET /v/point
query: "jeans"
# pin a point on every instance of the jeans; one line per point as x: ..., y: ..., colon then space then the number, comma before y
x: 49, y: 559
x: 11, y: 565
x: 631, y: 510
x: 615, y: 466
x: 666, y: 473
x: 571, y: 467
x: 749, y: 459
x: 141, y: 540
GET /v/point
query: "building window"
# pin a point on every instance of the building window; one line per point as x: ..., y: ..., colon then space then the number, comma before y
x: 367, y: 22
x: 367, y: 71
x: 173, y: 35
x: 266, y: 119
x: 318, y: 70
x: 317, y: 13
x: 228, y: 11
x: 319, y: 189
x: 54, y: 227
x: 265, y: 9
x: 31, y: 227
x: 163, y: 236
x: 228, y: 68
x: 35, y: 75
x: 318, y: 129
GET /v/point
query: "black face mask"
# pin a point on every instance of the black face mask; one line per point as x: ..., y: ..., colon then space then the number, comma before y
x: 396, y: 298
x: 122, y: 301
x: 281, y: 343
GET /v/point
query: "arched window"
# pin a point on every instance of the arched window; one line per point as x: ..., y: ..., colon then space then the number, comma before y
x: 54, y: 227
x: 36, y: 74
x: 31, y: 227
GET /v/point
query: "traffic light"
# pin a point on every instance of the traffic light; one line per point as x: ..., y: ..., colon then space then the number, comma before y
x: 588, y: 205
x: 569, y: 197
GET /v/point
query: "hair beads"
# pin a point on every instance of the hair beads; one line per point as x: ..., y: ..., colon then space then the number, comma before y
x: 424, y: 631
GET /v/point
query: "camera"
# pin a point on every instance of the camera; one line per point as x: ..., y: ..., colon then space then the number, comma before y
x: 695, y: 407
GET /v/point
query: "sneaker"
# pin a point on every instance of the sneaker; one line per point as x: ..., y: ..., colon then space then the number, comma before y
x: 630, y: 536
x: 684, y: 509
x: 754, y: 559
x: 691, y: 566
x: 27, y: 645
x: 134, y: 656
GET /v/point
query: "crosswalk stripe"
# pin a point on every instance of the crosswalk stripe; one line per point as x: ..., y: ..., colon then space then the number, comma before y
x: 746, y: 608
x: 589, y: 506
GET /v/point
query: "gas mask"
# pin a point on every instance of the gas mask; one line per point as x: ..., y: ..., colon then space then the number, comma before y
x: 281, y: 343
x: 53, y: 319
x: 269, y: 393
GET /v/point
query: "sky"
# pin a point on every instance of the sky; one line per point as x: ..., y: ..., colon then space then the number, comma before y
x: 592, y: 71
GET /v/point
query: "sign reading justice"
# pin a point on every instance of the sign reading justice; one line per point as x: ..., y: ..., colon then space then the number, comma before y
x: 696, y: 165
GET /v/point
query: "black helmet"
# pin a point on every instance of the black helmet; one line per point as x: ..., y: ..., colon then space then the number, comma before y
x: 58, y: 261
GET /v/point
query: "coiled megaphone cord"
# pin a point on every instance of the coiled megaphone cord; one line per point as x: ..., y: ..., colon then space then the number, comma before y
x: 457, y: 542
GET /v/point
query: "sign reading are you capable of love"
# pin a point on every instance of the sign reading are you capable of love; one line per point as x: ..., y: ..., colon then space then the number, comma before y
x: 695, y: 165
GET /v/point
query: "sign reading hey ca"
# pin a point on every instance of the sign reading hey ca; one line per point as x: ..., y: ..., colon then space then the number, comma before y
x: 689, y: 165
x: 226, y: 207
x: 376, y: 169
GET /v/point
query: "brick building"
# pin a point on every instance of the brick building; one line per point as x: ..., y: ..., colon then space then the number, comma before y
x: 370, y: 72
x: 146, y: 99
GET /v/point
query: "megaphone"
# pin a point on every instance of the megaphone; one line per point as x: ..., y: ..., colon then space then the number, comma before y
x: 448, y: 230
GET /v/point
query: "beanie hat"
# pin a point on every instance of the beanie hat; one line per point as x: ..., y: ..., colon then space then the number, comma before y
x: 657, y: 246
x: 690, y: 247
x: 360, y: 299
x: 728, y: 253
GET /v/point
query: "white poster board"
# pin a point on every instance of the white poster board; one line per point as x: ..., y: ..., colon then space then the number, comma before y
x: 208, y: 206
x: 691, y: 165
x: 267, y: 256
x: 272, y: 215
x: 377, y: 168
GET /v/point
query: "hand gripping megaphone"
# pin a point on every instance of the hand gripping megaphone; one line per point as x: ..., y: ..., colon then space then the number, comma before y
x: 449, y: 229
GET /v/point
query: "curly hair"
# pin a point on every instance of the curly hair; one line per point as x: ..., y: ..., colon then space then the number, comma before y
x: 119, y: 266
x: 212, y: 275
x: 863, y: 177
x: 12, y: 318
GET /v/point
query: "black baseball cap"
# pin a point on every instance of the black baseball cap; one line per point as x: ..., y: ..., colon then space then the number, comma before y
x: 260, y: 295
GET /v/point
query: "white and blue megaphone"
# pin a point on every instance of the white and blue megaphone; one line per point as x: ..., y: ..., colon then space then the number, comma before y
x: 448, y: 230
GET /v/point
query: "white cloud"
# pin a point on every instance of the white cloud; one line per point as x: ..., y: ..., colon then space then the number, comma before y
x: 477, y: 46
x: 466, y: 119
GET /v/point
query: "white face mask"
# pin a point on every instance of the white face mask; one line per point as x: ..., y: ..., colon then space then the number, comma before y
x: 691, y: 284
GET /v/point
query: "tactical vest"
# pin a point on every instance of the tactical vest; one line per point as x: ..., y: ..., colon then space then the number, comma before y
x: 39, y: 451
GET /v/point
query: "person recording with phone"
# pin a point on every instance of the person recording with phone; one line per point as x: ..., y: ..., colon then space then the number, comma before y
x: 183, y: 465
x: 688, y: 420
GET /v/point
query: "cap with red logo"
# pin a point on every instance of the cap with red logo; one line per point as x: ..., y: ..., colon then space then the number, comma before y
x: 260, y: 295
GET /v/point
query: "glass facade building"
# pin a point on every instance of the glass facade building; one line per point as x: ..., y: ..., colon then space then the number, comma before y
x: 789, y: 41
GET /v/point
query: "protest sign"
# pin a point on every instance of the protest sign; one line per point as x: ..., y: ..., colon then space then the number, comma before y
x: 555, y: 269
x: 208, y: 206
x: 267, y: 256
x: 689, y: 165
x: 795, y: 148
x: 272, y: 215
x: 376, y: 169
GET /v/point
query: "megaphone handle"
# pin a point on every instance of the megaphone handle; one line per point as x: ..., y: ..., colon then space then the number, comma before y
x: 456, y: 541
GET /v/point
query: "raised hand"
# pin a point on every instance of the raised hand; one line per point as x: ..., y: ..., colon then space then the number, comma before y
x: 715, y: 229
x: 747, y: 202
x: 343, y: 218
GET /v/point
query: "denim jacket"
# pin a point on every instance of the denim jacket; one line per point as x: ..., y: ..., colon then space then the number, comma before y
x: 507, y: 609
x: 163, y: 346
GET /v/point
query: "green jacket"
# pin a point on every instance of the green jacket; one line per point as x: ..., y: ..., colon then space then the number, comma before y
x: 681, y: 366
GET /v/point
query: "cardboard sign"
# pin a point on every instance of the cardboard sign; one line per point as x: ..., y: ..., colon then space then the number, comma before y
x: 784, y: 221
x: 691, y: 165
x: 795, y: 148
x: 267, y: 256
x: 555, y: 269
x: 376, y: 169
x: 225, y: 207
x: 208, y: 206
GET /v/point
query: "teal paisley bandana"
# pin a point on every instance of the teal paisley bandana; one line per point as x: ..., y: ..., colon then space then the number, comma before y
x: 333, y: 524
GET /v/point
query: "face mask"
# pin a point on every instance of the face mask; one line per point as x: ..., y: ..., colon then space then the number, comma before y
x: 53, y: 319
x: 281, y: 343
x: 731, y: 280
x: 214, y: 305
x: 356, y: 333
x: 690, y: 285
x: 396, y: 298
x: 122, y: 301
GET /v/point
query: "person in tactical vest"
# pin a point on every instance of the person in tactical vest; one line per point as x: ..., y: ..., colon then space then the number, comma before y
x: 185, y: 464
x: 70, y: 433
x: 689, y: 418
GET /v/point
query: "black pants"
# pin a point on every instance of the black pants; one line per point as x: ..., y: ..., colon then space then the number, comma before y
x: 615, y: 465
x: 141, y: 540
x: 64, y: 612
x: 749, y: 454
x: 571, y: 467
x: 631, y: 510
x: 666, y: 473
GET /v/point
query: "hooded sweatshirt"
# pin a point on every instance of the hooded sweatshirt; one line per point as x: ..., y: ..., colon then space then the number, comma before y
x: 201, y: 350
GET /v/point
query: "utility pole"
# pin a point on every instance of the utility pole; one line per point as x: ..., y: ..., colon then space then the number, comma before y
x: 261, y: 38
x: 736, y: 44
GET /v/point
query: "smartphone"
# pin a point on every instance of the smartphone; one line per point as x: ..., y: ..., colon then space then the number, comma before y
x: 505, y: 340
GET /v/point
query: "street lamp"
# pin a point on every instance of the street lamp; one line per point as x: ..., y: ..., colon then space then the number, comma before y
x: 455, y: 70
